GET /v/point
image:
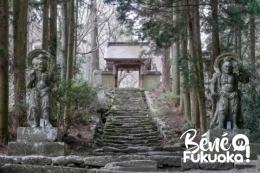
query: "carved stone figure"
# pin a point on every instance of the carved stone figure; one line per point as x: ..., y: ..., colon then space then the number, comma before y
x: 224, y: 89
x: 41, y: 82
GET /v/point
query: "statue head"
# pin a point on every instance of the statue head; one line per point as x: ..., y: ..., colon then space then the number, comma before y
x: 40, y: 62
x: 227, y: 66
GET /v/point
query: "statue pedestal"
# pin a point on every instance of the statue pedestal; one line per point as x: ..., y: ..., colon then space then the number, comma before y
x: 38, y: 141
x: 212, y: 134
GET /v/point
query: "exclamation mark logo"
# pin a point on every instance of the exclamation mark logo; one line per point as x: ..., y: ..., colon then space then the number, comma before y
x: 247, y: 153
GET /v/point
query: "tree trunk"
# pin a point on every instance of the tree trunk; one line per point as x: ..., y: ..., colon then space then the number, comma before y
x: 69, y: 74
x: 53, y: 28
x: 252, y: 40
x: 4, y: 58
x: 215, y: 42
x: 20, y: 8
x: 175, y: 62
x: 198, y: 64
x: 166, y: 70
x: 45, y: 29
x: 215, y: 35
x: 64, y: 41
x: 94, y: 37
x: 185, y: 76
x: 199, y: 67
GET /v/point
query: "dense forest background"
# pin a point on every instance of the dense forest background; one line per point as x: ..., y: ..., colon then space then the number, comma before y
x: 187, y: 34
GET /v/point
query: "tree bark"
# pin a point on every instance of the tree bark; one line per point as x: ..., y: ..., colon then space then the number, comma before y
x: 64, y: 41
x: 198, y: 63
x: 20, y: 8
x: 215, y: 34
x: 53, y: 29
x: 175, y: 62
x: 4, y: 59
x: 69, y: 74
x: 94, y: 37
x: 252, y: 40
x: 215, y: 42
x: 45, y: 29
x: 166, y: 70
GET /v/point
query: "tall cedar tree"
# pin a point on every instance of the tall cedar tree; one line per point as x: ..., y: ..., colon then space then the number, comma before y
x: 20, y: 12
x: 4, y: 89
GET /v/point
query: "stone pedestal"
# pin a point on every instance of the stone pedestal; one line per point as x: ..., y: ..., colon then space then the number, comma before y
x: 212, y: 134
x: 38, y: 141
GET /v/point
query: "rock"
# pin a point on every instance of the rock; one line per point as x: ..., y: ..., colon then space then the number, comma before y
x: 36, y: 160
x: 71, y: 165
x: 166, y: 160
x: 133, y: 166
x: 132, y: 163
x: 216, y: 166
x: 61, y: 169
x: 30, y: 134
x: 132, y: 157
x: 189, y: 165
x: 14, y: 168
x: 111, y: 149
x: 243, y: 165
x: 172, y: 148
x: 51, y: 149
x: 254, y: 150
x: 100, y: 161
x: 62, y: 160
x: 180, y: 144
x: 10, y: 159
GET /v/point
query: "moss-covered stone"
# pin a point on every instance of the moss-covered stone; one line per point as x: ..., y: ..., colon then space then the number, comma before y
x: 51, y: 149
x: 60, y: 169
x: 14, y: 168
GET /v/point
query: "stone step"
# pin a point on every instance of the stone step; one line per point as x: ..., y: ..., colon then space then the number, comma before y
x: 132, y: 132
x: 131, y: 142
x: 129, y: 137
x: 125, y: 122
x: 124, y: 146
x: 129, y: 117
x: 125, y: 129
x: 155, y: 133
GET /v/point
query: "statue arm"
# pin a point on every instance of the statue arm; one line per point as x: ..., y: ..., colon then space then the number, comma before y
x: 243, y: 76
x: 214, y: 84
x: 31, y: 79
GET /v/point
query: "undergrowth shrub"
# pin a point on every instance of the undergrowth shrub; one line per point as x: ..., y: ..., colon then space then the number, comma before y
x: 79, y: 96
x: 251, y: 111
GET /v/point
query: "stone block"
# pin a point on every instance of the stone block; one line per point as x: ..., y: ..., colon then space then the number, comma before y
x: 132, y: 163
x: 166, y: 160
x: 133, y: 166
x: 14, y: 168
x: 10, y: 159
x: 36, y: 160
x: 29, y: 134
x: 100, y: 161
x: 212, y: 134
x: 135, y: 169
x: 64, y: 160
x: 254, y: 150
x: 189, y: 165
x: 57, y: 169
x: 216, y: 166
x: 51, y: 149
x: 243, y: 165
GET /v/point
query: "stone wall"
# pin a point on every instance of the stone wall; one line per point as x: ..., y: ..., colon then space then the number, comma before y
x: 108, y: 79
x: 151, y: 81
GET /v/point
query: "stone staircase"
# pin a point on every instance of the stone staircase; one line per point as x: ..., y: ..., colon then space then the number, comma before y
x: 128, y: 123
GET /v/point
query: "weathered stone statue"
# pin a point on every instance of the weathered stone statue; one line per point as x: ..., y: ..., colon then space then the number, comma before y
x: 224, y: 89
x: 41, y: 82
